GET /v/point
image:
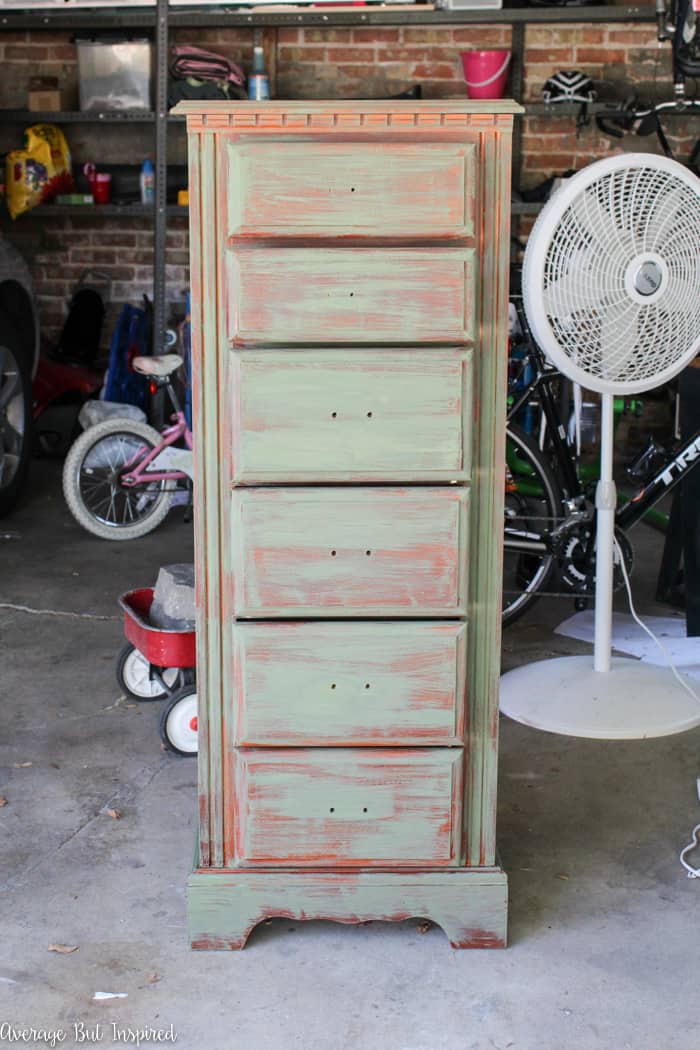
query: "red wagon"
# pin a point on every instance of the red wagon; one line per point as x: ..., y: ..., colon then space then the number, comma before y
x: 159, y: 664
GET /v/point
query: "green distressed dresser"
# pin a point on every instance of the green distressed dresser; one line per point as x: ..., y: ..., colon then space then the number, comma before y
x: 349, y: 310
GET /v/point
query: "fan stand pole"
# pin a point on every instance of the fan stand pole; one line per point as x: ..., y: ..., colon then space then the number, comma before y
x: 606, y: 504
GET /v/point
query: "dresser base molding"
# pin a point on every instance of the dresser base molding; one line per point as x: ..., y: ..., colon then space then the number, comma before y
x: 470, y: 904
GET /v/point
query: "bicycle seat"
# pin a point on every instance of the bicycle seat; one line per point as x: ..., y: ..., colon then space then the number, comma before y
x: 158, y: 365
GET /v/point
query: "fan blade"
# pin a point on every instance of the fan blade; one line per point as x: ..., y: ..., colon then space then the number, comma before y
x: 622, y: 210
x: 614, y: 207
x: 680, y: 251
x: 667, y: 227
x: 683, y: 296
x: 601, y: 224
x: 583, y: 221
x: 619, y: 341
x: 570, y: 294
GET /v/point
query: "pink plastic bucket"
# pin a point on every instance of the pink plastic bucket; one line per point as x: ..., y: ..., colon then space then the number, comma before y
x: 485, y: 73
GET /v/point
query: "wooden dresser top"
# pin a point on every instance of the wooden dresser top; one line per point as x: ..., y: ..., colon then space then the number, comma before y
x: 346, y: 114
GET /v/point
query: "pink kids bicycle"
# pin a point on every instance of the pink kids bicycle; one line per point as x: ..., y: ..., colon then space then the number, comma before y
x: 121, y: 476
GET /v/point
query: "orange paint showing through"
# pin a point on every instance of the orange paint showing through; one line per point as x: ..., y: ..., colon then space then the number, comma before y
x: 479, y: 939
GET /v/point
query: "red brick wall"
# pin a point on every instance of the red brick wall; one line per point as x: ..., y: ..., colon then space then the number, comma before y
x: 338, y: 62
x: 120, y: 247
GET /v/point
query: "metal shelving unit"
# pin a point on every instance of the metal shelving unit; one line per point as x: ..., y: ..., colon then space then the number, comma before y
x: 101, y: 211
x: 123, y: 116
x: 160, y: 17
x: 375, y: 16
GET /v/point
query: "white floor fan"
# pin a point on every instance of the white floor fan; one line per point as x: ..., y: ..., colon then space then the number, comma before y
x: 611, y: 288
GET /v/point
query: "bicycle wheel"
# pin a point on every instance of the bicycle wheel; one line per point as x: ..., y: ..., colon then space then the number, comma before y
x: 92, y: 481
x: 533, y: 505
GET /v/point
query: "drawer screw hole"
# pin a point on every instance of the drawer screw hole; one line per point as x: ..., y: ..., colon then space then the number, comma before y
x: 333, y: 554
x: 332, y: 810
x: 351, y: 294
x: 364, y: 810
x: 352, y: 189
x: 369, y: 415
x: 334, y: 415
x: 368, y: 553
x: 366, y: 685
x: 332, y: 685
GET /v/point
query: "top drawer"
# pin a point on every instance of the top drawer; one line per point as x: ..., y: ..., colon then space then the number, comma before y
x: 288, y: 189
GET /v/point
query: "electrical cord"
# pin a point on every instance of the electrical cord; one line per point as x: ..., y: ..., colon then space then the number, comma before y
x: 693, y: 873
x: 659, y: 644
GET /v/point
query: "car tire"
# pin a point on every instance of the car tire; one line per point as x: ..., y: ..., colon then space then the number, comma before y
x: 15, y: 414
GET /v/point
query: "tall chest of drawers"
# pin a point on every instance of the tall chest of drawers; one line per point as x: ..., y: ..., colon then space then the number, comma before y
x: 349, y: 311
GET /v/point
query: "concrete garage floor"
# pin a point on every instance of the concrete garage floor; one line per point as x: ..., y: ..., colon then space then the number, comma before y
x: 604, y: 924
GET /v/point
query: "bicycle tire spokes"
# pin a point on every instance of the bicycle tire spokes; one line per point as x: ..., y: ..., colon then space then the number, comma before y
x: 104, y: 496
x: 532, y: 510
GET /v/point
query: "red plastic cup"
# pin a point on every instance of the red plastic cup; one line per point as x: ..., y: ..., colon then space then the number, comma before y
x: 485, y: 73
x: 101, y: 188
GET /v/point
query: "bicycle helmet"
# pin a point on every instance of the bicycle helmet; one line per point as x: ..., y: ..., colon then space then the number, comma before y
x: 568, y: 85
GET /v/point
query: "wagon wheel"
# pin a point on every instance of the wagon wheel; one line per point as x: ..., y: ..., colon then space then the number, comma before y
x: 178, y: 721
x: 136, y: 678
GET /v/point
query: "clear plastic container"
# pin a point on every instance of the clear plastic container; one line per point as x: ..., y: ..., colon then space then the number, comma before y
x: 114, y: 74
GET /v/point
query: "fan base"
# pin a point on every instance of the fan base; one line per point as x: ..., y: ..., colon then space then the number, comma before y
x: 632, y: 701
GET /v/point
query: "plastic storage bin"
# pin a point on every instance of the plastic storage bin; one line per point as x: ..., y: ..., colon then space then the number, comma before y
x: 470, y: 5
x: 114, y: 74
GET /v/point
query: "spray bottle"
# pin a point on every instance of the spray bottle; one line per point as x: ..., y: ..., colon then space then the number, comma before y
x: 147, y: 181
x: 258, y: 81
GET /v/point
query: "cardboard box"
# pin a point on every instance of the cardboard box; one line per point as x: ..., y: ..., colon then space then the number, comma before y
x: 45, y: 101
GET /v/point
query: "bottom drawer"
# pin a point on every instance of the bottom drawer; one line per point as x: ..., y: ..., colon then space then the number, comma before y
x: 347, y: 806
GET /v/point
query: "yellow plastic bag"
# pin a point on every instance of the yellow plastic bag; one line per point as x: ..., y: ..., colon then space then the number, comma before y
x: 38, y: 172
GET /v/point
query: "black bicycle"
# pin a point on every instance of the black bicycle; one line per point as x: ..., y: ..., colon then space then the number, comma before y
x: 549, y: 529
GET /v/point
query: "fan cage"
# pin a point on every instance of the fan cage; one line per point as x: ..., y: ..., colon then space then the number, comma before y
x: 584, y: 251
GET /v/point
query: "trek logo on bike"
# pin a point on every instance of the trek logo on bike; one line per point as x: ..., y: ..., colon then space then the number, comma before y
x: 682, y: 461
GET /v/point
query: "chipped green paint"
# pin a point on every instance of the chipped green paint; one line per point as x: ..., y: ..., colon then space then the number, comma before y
x: 469, y: 904
x: 486, y: 527
x: 348, y: 683
x: 350, y: 295
x: 349, y: 191
x: 351, y: 415
x: 350, y: 552
x: 325, y: 807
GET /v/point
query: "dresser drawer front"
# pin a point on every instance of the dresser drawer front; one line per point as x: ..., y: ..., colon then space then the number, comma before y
x: 350, y: 295
x: 348, y: 806
x: 349, y: 552
x: 343, y: 189
x: 351, y: 415
x: 310, y: 684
